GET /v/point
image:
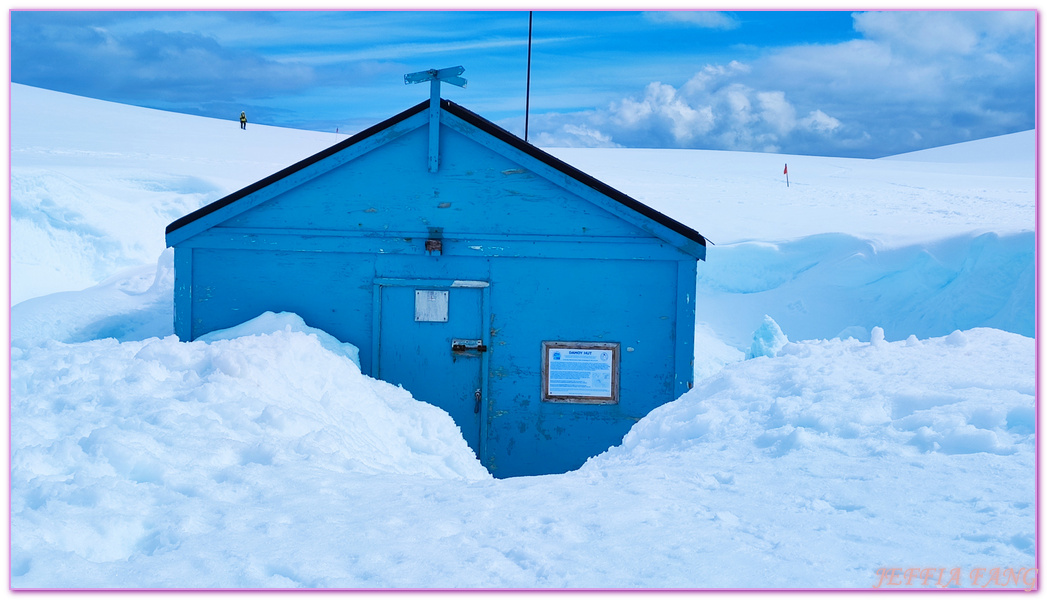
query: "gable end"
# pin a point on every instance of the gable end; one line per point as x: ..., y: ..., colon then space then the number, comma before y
x: 482, y: 125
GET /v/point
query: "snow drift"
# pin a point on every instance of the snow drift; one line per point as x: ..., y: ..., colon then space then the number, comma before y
x: 822, y: 286
x: 269, y: 461
x: 92, y: 191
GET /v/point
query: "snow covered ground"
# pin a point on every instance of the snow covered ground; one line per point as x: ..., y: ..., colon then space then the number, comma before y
x: 882, y: 432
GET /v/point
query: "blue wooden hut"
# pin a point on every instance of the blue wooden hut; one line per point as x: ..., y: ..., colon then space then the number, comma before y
x: 544, y: 310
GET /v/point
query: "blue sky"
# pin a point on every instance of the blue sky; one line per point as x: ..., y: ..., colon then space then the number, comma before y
x: 804, y: 82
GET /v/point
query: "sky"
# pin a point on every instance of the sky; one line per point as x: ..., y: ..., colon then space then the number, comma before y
x: 835, y: 83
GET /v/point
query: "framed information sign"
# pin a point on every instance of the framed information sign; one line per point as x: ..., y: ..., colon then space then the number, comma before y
x: 582, y: 372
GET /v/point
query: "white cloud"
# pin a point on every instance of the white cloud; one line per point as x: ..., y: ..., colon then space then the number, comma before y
x: 925, y: 32
x: 776, y: 112
x: 589, y: 137
x: 943, y: 32
x: 662, y: 109
x: 894, y: 91
x: 711, y: 75
x: 819, y: 122
x: 565, y: 131
x: 738, y: 104
x: 849, y: 62
x: 711, y: 110
x: 707, y: 19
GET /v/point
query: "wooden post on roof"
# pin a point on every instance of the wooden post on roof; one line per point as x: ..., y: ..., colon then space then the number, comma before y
x: 434, y: 77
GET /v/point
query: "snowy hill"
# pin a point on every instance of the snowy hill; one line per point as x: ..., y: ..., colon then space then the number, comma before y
x: 1013, y: 154
x: 884, y: 420
x: 93, y: 189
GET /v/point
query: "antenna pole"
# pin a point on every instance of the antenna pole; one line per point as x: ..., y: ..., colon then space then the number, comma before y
x: 527, y: 104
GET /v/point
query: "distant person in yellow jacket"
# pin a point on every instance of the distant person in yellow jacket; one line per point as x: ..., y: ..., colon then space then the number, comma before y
x: 243, y: 120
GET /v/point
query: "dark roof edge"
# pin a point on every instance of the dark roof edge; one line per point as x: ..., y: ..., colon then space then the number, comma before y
x: 298, y: 166
x: 630, y: 202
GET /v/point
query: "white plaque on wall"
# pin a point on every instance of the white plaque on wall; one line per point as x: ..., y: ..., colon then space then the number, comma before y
x: 430, y: 305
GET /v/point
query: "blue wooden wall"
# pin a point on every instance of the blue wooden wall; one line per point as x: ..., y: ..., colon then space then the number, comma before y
x: 525, y: 259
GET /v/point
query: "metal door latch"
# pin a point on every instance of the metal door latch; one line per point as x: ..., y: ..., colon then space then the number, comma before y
x: 467, y: 345
x: 476, y: 409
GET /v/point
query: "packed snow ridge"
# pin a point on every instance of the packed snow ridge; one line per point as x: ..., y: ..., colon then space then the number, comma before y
x: 883, y: 424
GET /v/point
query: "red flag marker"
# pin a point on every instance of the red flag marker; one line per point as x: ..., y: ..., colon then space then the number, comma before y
x: 786, y: 172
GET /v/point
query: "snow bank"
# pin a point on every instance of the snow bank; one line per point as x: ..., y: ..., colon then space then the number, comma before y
x: 822, y: 286
x: 841, y: 457
x: 270, y: 322
x: 929, y: 394
x: 267, y: 461
x: 132, y: 305
x: 127, y: 448
x: 93, y: 190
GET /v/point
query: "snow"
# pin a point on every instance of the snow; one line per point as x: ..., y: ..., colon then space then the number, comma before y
x: 768, y: 340
x: 92, y: 182
x: 821, y: 285
x: 884, y: 425
x: 735, y: 197
x: 270, y: 322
